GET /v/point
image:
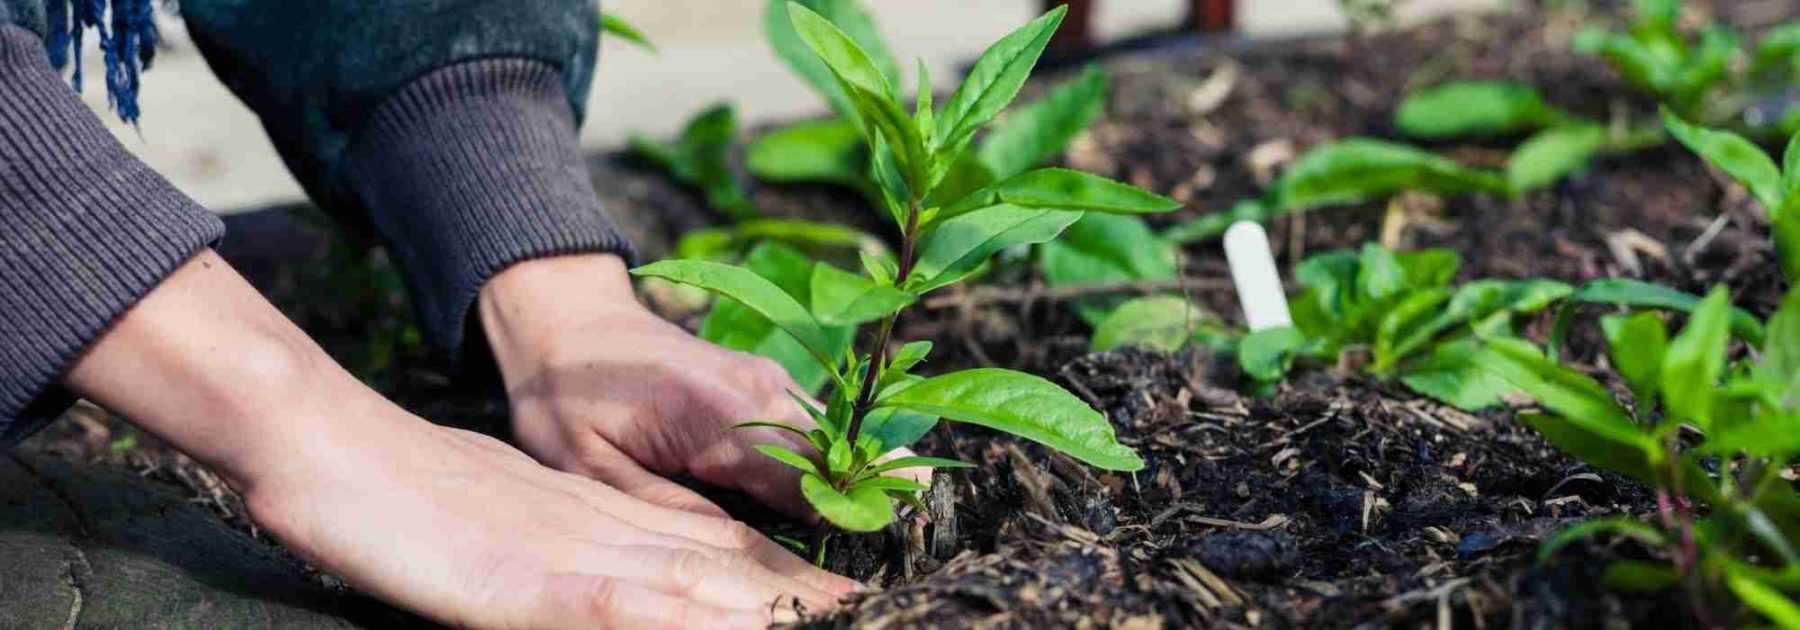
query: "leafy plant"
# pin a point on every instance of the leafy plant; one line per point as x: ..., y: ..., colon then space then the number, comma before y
x: 700, y: 158
x: 1776, y: 187
x: 1402, y: 310
x: 875, y: 404
x: 1736, y: 560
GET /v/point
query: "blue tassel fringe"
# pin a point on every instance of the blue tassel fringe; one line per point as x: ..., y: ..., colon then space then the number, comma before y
x: 127, y: 43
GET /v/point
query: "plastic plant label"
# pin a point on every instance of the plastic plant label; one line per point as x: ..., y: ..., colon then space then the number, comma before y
x: 1254, y: 273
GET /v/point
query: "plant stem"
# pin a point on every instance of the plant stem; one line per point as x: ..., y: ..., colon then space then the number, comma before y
x: 821, y: 535
x: 878, y: 355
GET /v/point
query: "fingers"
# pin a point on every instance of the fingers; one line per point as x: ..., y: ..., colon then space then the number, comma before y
x: 734, y: 463
x: 729, y: 580
x: 584, y: 601
x: 736, y: 537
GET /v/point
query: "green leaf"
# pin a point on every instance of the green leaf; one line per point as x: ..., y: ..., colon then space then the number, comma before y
x: 958, y: 246
x: 1405, y: 327
x: 1778, y: 52
x: 1771, y: 603
x: 849, y: 16
x: 785, y: 456
x: 1621, y: 525
x: 1266, y: 355
x: 1639, y: 576
x: 1363, y: 169
x: 830, y: 151
x: 1739, y: 158
x: 758, y: 424
x: 1023, y: 405
x: 994, y: 81
x: 902, y: 463
x: 889, y: 483
x: 1553, y: 154
x: 1639, y: 294
x: 1034, y: 133
x: 1780, y: 364
x: 897, y: 428
x: 1429, y: 268
x: 1637, y: 345
x: 909, y: 355
x: 1475, y: 108
x: 859, y: 510
x: 1064, y: 189
x: 1160, y: 322
x: 1585, y: 421
x: 616, y: 26
x: 1104, y: 249
x: 1452, y: 374
x: 1641, y: 65
x: 735, y: 326
x: 754, y: 292
x: 1696, y: 360
x: 1210, y: 226
x: 841, y: 298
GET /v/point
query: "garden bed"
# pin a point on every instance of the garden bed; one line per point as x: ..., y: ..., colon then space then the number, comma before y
x: 1337, y: 502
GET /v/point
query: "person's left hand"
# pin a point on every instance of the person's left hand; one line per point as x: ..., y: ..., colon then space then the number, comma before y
x: 602, y: 387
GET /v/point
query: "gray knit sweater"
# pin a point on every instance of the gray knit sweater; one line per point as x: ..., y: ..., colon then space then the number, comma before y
x: 464, y: 160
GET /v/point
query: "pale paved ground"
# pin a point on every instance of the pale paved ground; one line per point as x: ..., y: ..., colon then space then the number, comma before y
x: 213, y: 148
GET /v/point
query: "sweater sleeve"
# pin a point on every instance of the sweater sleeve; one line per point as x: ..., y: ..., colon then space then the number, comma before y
x: 85, y: 231
x: 449, y: 127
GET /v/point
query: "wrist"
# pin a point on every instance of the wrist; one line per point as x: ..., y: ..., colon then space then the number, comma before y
x: 528, y: 309
x: 208, y: 365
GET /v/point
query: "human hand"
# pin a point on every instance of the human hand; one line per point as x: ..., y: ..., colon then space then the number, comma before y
x: 602, y: 387
x: 455, y: 526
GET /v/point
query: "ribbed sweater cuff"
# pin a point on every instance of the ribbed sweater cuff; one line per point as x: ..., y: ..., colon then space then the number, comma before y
x: 470, y: 169
x: 85, y: 230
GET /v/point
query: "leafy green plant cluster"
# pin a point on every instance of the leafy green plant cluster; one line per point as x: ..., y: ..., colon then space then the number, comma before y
x: 1400, y: 316
x: 875, y: 404
x: 1725, y: 538
x: 1694, y: 76
x: 1404, y: 316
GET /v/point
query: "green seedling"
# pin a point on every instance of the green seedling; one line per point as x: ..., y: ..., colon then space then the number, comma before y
x: 700, y: 158
x: 1403, y: 311
x: 875, y: 404
x: 1726, y: 538
x: 1655, y: 56
x: 1776, y: 187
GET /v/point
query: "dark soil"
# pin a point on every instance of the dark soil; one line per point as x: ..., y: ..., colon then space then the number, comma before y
x: 1338, y: 502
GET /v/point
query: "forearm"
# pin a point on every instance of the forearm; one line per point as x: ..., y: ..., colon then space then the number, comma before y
x: 85, y: 230
x: 206, y: 363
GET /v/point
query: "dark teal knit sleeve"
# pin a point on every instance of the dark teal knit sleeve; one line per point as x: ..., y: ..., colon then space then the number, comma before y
x: 448, y: 126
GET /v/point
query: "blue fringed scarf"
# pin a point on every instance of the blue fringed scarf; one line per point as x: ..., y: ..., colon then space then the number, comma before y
x: 128, y: 43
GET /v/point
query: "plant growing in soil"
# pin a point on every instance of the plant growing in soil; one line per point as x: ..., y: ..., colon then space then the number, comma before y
x: 1776, y: 187
x: 875, y: 405
x: 1397, y: 316
x: 1728, y: 542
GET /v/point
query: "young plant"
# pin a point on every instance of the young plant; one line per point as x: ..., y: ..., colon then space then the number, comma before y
x: 1655, y: 56
x: 1777, y: 187
x: 700, y: 158
x: 1728, y: 540
x: 1402, y: 310
x: 875, y: 404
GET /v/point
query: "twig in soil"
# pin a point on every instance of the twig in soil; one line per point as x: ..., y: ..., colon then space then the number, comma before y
x: 1274, y: 521
x: 983, y: 296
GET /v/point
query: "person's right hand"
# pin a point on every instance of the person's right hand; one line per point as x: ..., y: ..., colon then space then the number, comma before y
x: 455, y: 526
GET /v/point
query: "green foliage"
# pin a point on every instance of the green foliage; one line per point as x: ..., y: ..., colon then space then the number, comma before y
x: 1553, y: 154
x: 1365, y: 169
x: 1475, y: 108
x: 1159, y: 322
x: 1653, y: 55
x: 1746, y: 163
x: 1730, y: 534
x: 875, y: 404
x: 618, y: 27
x: 1107, y: 249
x: 699, y: 158
x: 1403, y: 309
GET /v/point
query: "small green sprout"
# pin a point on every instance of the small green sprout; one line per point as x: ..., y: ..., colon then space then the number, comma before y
x: 1728, y: 537
x: 875, y: 405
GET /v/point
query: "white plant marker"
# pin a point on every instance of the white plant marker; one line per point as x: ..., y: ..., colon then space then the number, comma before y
x: 1258, y: 281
